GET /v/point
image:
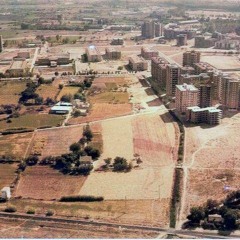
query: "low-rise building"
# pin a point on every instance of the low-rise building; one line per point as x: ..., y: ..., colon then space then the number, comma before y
x: 61, y: 108
x: 202, y: 42
x: 6, y: 193
x: 93, y: 54
x: 209, y: 115
x: 113, y: 53
x: 147, y: 53
x: 137, y: 63
x: 117, y: 41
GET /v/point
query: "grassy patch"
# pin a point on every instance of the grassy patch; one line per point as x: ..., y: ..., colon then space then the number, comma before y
x: 67, y: 90
x: 97, y: 141
x: 30, y: 121
x: 47, y: 90
x: 111, y: 85
x: 110, y: 97
x: 10, y: 92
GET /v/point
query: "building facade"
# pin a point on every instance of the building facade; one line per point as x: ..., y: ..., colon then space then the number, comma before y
x: 148, y: 54
x: 172, y: 79
x: 190, y: 58
x: 138, y: 63
x: 186, y: 96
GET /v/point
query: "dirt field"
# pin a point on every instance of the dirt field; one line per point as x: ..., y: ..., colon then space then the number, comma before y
x: 101, y: 111
x: 56, y: 141
x: 10, y: 92
x: 40, y: 182
x: 222, y: 62
x: 31, y: 229
x: 7, y: 174
x: 47, y: 90
x: 15, y: 144
x: 110, y: 97
x: 32, y: 121
x: 67, y: 90
x: 212, y: 158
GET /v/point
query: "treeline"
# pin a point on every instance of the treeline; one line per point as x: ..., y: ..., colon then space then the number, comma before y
x: 81, y: 199
x: 227, y: 209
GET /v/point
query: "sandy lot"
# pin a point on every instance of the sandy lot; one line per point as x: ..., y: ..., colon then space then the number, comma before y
x: 223, y: 62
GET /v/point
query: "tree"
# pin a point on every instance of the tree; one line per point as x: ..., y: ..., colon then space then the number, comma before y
x: 120, y: 164
x: 32, y: 160
x: 83, y: 140
x: 75, y: 147
x: 87, y: 132
x: 66, y: 98
x: 230, y: 219
x: 107, y: 161
x: 196, y: 214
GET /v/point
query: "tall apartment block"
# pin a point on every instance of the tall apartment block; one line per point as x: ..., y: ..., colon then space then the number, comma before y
x: 181, y: 40
x: 159, y: 70
x: 1, y: 43
x: 230, y: 93
x: 205, y: 96
x: 151, y: 29
x: 172, y: 78
x: 203, y: 67
x: 190, y: 58
x: 186, y: 96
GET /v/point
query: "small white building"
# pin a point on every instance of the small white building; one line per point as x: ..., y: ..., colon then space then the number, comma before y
x: 6, y: 193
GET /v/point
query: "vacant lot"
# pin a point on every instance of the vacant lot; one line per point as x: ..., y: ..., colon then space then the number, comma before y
x: 40, y: 182
x: 32, y: 121
x: 101, y: 111
x: 67, y: 90
x: 222, y: 62
x: 10, y: 92
x: 47, y: 91
x: 206, y: 184
x: 7, y: 174
x: 56, y: 141
x: 110, y: 97
x: 15, y: 144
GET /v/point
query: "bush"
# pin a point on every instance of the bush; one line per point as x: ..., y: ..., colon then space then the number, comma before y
x: 66, y: 98
x: 120, y: 164
x: 87, y: 132
x: 81, y: 199
x: 49, y: 213
x: 75, y: 147
x: 10, y: 209
x: 32, y: 160
x: 31, y: 211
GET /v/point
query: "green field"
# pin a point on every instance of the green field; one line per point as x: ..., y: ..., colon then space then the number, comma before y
x: 110, y: 97
x: 67, y: 90
x: 31, y: 121
x: 7, y: 173
x: 10, y: 92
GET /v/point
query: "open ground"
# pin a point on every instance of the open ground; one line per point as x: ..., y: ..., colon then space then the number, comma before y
x: 211, y: 162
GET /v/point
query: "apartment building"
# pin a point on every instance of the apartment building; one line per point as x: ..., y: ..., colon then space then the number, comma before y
x: 112, y: 53
x: 230, y: 93
x: 190, y: 58
x: 205, y: 95
x: 187, y: 70
x: 172, y: 78
x: 117, y: 41
x: 148, y: 53
x: 151, y: 29
x: 137, y: 63
x: 209, y: 115
x: 93, y: 54
x: 159, y: 70
x: 202, y: 42
x: 181, y: 40
x: 186, y: 96
x: 203, y: 67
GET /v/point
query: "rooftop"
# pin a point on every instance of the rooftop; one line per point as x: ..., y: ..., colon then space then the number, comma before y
x: 186, y: 87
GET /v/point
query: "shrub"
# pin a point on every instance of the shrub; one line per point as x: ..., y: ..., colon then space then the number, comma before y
x: 75, y: 147
x: 81, y: 199
x: 30, y: 211
x: 10, y: 209
x: 49, y: 213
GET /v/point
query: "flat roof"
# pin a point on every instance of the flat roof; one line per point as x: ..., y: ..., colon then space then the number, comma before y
x: 92, y: 50
x: 136, y: 59
x: 186, y: 87
x: 61, y: 108
x: 18, y: 65
x: 209, y: 109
